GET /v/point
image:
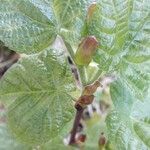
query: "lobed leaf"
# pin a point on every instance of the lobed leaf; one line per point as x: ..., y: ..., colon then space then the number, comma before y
x: 127, y: 124
x: 39, y: 87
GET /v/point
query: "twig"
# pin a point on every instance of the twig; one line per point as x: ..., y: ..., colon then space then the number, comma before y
x: 76, y: 123
x: 85, y: 99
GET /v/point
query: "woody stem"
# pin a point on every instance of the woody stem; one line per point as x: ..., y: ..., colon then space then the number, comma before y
x: 76, y: 123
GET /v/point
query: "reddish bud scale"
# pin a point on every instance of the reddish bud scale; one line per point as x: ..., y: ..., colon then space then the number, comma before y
x: 90, y: 89
x: 102, y: 140
x: 86, y: 50
x: 81, y: 138
x: 84, y: 101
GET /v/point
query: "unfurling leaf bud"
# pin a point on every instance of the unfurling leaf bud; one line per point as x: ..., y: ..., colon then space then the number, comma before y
x: 91, y: 10
x: 86, y: 50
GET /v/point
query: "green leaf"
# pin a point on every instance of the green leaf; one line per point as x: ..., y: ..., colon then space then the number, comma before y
x: 26, y: 26
x: 122, y: 28
x: 128, y: 124
x: 58, y: 142
x: 73, y: 28
x: 40, y: 88
x: 143, y: 131
x: 8, y: 143
x: 29, y: 26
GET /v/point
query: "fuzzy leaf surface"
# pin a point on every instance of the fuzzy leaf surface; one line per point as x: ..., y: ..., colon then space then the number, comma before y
x: 128, y: 124
x: 122, y: 28
x: 29, y: 26
x: 39, y: 87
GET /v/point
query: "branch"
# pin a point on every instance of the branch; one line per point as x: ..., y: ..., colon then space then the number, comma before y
x: 85, y: 99
x: 76, y: 123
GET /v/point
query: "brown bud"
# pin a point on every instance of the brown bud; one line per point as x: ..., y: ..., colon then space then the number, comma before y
x: 81, y: 138
x: 90, y: 89
x: 84, y: 101
x: 86, y: 50
x: 102, y: 140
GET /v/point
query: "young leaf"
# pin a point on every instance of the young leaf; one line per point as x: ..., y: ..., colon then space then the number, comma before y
x: 39, y: 87
x: 86, y: 50
x: 125, y: 129
x: 122, y: 27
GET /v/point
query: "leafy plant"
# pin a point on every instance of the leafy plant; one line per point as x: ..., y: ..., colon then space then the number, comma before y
x: 102, y: 41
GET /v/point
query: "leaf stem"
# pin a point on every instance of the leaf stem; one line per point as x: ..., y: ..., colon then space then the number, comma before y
x: 82, y: 73
x: 69, y: 49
